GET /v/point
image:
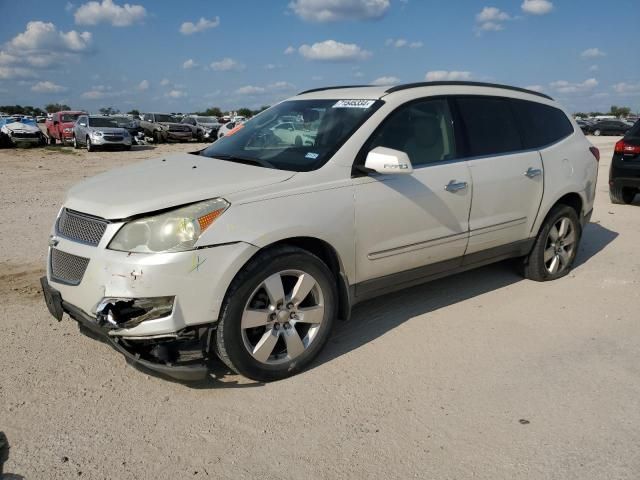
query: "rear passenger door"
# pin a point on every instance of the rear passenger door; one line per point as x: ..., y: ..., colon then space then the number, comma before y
x: 507, y: 179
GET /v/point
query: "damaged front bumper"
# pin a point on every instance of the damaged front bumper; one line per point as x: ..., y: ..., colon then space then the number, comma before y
x: 182, y: 356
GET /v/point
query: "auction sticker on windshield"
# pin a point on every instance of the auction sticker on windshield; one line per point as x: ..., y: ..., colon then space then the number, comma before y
x: 235, y: 130
x: 353, y: 103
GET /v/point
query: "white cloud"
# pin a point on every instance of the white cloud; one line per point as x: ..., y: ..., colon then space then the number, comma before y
x: 41, y: 45
x: 562, y: 86
x: 250, y: 90
x: 401, y: 42
x: 289, y: 50
x: 99, y: 92
x: 45, y: 36
x: 535, y: 88
x: 94, y: 13
x: 273, y: 87
x: 47, y: 87
x: 441, y: 75
x: 592, y: 53
x: 188, y: 64
x: 9, y: 73
x: 175, y: 94
x: 164, y: 82
x: 143, y: 85
x: 69, y: 6
x: 271, y: 66
x: 336, y: 10
x: 593, y: 68
x: 624, y: 87
x: 226, y: 64
x: 332, y: 51
x: 386, y: 81
x: 537, y: 7
x: 491, y: 19
x: 189, y: 28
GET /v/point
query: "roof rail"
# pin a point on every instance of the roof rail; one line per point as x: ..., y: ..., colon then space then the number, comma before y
x: 407, y: 86
x: 332, y: 88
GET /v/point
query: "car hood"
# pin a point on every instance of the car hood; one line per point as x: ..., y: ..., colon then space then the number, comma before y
x: 19, y: 127
x: 166, y: 182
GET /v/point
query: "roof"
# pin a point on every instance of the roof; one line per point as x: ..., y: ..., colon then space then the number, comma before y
x: 375, y: 92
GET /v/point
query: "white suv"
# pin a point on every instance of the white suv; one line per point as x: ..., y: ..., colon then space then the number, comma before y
x: 251, y: 248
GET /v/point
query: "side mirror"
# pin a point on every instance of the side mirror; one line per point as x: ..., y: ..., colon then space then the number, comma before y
x: 388, y: 161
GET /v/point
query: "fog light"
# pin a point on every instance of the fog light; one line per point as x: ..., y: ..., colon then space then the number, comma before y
x: 131, y: 312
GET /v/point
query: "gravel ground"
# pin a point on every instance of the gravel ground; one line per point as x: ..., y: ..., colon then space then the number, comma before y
x: 482, y: 375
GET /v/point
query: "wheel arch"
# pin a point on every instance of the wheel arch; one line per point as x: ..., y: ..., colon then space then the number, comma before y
x: 328, y: 254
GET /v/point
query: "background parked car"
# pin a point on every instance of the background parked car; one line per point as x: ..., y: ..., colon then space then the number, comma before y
x: 163, y: 127
x: 60, y: 126
x: 132, y: 125
x: 608, y: 127
x: 94, y: 132
x: 624, y: 173
x: 20, y: 130
x: 203, y: 128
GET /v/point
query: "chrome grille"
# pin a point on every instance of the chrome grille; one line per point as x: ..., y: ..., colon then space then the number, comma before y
x: 67, y: 268
x: 113, y: 138
x: 81, y: 228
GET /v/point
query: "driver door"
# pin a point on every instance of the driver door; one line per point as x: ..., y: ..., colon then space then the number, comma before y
x: 413, y: 226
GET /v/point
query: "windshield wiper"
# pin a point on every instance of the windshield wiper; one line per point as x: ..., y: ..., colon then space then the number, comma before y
x: 249, y: 161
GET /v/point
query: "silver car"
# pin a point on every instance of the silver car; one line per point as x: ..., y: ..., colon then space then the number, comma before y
x: 94, y: 132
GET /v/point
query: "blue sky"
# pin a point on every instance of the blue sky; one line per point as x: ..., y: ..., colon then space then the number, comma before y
x: 188, y: 55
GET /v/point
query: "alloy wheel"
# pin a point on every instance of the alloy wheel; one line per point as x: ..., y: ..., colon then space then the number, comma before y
x: 282, y: 317
x: 560, y: 246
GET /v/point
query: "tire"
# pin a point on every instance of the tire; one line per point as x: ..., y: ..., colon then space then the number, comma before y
x: 127, y: 147
x: 540, y: 267
x: 597, y: 132
x: 90, y: 147
x: 276, y: 349
x: 52, y: 141
x: 75, y: 143
x: 63, y: 142
x: 622, y: 195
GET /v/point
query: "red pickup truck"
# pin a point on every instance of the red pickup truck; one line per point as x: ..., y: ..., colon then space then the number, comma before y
x: 60, y: 126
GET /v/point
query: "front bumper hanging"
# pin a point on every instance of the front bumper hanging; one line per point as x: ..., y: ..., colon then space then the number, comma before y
x: 181, y: 357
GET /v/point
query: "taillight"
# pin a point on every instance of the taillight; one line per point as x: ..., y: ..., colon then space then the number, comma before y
x: 623, y: 147
x: 595, y: 152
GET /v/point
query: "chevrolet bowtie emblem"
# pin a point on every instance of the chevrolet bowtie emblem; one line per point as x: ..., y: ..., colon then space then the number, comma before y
x: 53, y: 241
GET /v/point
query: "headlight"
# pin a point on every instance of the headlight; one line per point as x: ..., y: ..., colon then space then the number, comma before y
x: 96, y: 134
x: 174, y: 231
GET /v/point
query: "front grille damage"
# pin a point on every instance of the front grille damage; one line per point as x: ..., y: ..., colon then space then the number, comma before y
x: 80, y: 227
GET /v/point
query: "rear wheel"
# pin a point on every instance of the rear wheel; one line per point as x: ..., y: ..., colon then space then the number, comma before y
x: 622, y: 195
x: 556, y: 245
x: 277, y: 314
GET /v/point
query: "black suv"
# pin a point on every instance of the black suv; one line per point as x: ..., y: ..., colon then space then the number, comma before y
x: 609, y: 127
x: 624, y: 174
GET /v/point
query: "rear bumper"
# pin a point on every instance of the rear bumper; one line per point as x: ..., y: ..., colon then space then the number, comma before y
x: 141, y: 355
x: 624, y: 172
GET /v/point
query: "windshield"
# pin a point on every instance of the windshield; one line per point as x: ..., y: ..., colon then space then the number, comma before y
x: 69, y: 117
x: 165, y: 118
x: 121, y: 121
x: 206, y: 120
x: 318, y: 130
x: 102, y: 122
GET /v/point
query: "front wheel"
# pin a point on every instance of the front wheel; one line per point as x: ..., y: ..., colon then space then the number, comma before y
x: 556, y: 245
x: 75, y: 143
x: 622, y: 195
x: 597, y: 133
x: 277, y: 315
x: 90, y: 147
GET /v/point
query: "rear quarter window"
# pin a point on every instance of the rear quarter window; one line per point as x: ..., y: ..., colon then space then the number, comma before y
x: 541, y: 124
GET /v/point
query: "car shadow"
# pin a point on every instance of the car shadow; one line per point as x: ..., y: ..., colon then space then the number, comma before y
x: 4, y: 456
x: 140, y: 148
x: 373, y: 318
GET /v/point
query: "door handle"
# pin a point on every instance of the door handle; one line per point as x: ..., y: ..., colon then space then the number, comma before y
x: 532, y: 172
x: 455, y: 186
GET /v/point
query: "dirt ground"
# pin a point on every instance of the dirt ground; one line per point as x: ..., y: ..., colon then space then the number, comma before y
x: 483, y: 375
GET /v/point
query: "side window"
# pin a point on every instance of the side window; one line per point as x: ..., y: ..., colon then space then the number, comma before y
x: 541, y: 124
x: 147, y: 117
x: 423, y: 130
x: 490, y: 125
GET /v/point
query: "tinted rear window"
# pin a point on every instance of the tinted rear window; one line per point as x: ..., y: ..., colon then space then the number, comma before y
x: 541, y: 124
x: 635, y: 131
x: 490, y: 125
